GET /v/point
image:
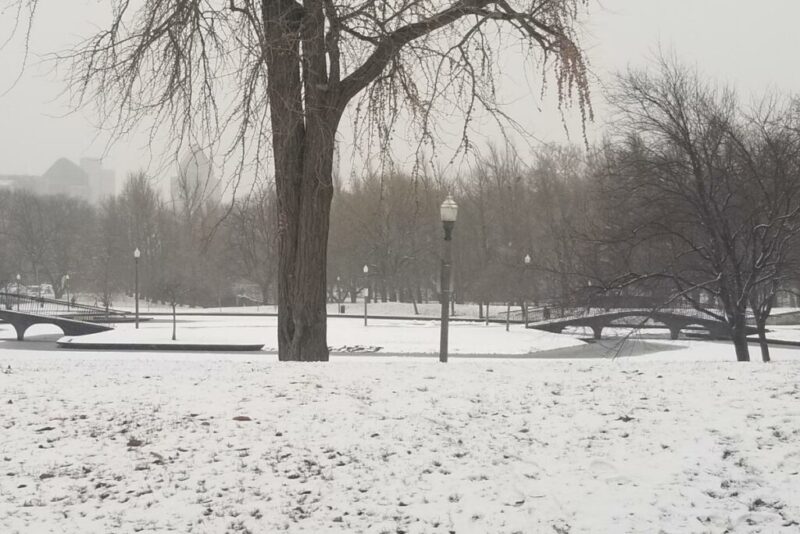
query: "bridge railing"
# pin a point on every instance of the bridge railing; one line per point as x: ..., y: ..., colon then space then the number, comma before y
x: 555, y: 312
x: 541, y: 313
x: 47, y: 307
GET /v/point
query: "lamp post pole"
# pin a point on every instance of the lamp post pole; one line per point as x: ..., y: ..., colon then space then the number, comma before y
x: 527, y: 262
x: 366, y: 291
x: 136, y: 255
x: 449, y: 212
x: 66, y: 289
x: 18, y: 279
x: 339, y: 293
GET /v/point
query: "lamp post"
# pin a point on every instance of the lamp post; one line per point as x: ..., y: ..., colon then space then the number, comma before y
x: 366, y: 291
x: 18, y: 279
x: 136, y: 255
x: 339, y: 298
x: 527, y: 261
x: 66, y: 289
x: 448, y: 212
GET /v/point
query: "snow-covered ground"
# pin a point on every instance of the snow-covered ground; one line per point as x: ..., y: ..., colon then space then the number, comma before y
x: 344, y: 335
x: 782, y: 333
x: 681, y: 440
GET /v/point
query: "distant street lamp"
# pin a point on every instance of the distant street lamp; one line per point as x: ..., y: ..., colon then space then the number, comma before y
x: 366, y: 291
x: 18, y: 279
x: 527, y: 261
x: 136, y: 255
x: 66, y: 288
x: 449, y: 213
x: 339, y: 293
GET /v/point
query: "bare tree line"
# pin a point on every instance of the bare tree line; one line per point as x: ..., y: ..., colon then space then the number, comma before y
x: 47, y: 238
x: 388, y: 222
x: 692, y: 199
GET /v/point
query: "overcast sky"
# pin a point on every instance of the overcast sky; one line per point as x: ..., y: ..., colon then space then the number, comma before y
x: 752, y: 45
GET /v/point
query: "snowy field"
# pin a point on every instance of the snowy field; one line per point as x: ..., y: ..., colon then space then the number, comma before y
x: 344, y: 335
x: 681, y: 440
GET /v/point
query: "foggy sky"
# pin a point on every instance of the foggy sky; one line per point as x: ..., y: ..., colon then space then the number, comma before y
x: 752, y: 45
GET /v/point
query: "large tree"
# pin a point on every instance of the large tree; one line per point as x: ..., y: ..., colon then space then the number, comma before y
x: 712, y: 186
x: 279, y: 75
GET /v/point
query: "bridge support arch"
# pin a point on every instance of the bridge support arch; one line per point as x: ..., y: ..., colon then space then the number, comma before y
x: 20, y: 327
x: 597, y: 330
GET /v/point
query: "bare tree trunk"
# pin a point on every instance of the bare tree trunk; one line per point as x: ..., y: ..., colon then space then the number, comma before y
x: 265, y: 292
x: 304, y: 122
x: 761, y: 303
x: 739, y: 335
x: 761, y: 326
x: 303, y: 247
x: 742, y: 350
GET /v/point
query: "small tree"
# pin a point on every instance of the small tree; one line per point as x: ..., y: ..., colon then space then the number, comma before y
x: 173, y: 289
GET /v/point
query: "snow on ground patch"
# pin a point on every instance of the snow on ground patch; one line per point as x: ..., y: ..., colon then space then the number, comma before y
x: 385, y: 336
x: 104, y: 442
x: 781, y: 333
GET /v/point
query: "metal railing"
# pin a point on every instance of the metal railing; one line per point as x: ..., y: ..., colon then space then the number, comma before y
x: 555, y: 312
x: 47, y: 307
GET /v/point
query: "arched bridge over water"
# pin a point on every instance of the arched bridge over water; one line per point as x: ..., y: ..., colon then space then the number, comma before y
x: 24, y: 311
x: 599, y: 319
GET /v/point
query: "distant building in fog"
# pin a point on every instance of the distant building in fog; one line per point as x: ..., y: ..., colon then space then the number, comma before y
x: 65, y: 178
x: 89, y: 181
x: 196, y: 183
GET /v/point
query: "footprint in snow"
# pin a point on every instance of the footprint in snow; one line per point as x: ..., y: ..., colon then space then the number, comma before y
x: 607, y: 472
x: 601, y: 469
